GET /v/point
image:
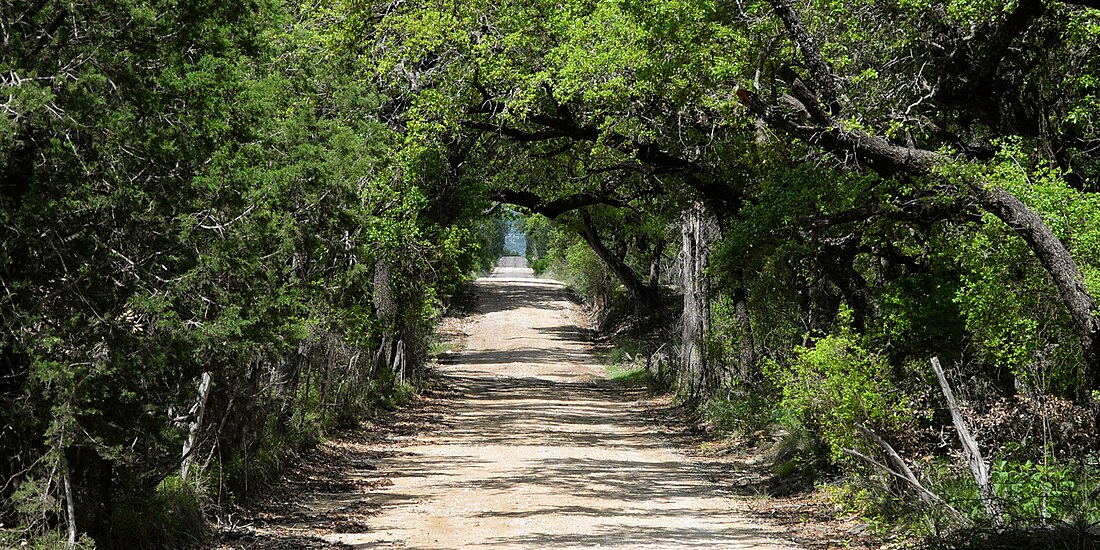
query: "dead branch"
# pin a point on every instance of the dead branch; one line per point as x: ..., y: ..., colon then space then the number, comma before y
x: 925, y: 494
x: 978, y: 466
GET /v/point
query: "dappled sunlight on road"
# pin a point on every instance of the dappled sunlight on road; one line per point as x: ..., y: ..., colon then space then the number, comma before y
x: 539, y: 450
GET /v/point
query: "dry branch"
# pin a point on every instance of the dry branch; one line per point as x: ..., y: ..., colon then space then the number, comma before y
x: 911, y: 480
x: 978, y: 466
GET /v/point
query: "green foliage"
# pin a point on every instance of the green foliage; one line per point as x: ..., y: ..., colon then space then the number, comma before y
x: 627, y: 364
x: 637, y: 376
x: 741, y: 413
x: 491, y: 235
x: 1011, y: 310
x: 625, y: 352
x: 217, y: 194
x: 920, y: 316
x: 583, y: 271
x: 1042, y: 492
x: 1030, y: 493
x: 837, y: 387
x: 538, y: 230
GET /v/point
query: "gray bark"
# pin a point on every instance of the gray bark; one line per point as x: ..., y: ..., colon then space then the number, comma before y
x: 70, y: 504
x: 746, y: 345
x: 195, y: 428
x: 978, y: 467
x: 382, y: 295
x: 698, y: 232
x: 399, y: 362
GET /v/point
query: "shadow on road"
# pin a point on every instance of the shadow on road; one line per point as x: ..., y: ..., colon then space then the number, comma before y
x: 530, y: 448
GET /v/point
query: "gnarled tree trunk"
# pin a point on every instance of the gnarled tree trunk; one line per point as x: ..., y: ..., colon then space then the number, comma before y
x: 644, y: 296
x: 194, y: 429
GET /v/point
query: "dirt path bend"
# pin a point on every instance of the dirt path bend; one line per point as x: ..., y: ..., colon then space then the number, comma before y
x: 538, y: 451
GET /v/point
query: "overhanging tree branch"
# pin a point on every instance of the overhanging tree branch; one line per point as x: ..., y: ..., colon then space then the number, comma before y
x: 890, y: 160
x: 645, y: 298
x: 554, y: 208
x: 822, y: 74
x: 652, y: 159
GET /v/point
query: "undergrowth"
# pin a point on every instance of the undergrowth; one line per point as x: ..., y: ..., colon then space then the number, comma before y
x: 740, y: 413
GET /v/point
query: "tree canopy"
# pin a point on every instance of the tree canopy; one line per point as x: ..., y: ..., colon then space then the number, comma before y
x: 917, y: 114
x: 888, y: 182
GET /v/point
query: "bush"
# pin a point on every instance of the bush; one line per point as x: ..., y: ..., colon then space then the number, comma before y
x: 1039, y: 493
x: 170, y: 518
x: 741, y: 413
x: 835, y: 387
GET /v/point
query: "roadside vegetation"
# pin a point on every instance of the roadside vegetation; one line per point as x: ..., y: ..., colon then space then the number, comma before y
x: 215, y: 249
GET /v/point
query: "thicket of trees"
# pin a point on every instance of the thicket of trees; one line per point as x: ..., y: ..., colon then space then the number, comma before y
x: 227, y: 227
x: 840, y: 190
x: 215, y: 245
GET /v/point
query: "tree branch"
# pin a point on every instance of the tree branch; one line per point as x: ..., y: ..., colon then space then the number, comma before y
x: 645, y: 299
x: 874, y: 151
x: 553, y: 152
x: 925, y: 494
x: 822, y: 74
x: 970, y: 447
x: 654, y: 160
x: 554, y: 208
x: 513, y: 133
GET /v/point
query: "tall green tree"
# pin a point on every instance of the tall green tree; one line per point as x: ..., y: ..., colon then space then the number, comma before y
x: 214, y: 248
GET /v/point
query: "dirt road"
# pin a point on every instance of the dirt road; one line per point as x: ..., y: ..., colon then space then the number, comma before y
x: 537, y: 450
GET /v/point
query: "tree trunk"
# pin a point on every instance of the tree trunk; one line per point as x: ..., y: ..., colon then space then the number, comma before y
x: 602, y: 288
x: 70, y: 503
x: 383, y: 296
x: 399, y: 363
x: 304, y: 396
x: 698, y: 233
x: 195, y: 429
x: 655, y: 266
x: 645, y: 299
x: 746, y: 345
x: 820, y: 71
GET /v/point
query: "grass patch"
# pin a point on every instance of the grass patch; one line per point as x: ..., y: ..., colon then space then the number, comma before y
x: 441, y: 347
x: 634, y: 376
x: 626, y: 365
